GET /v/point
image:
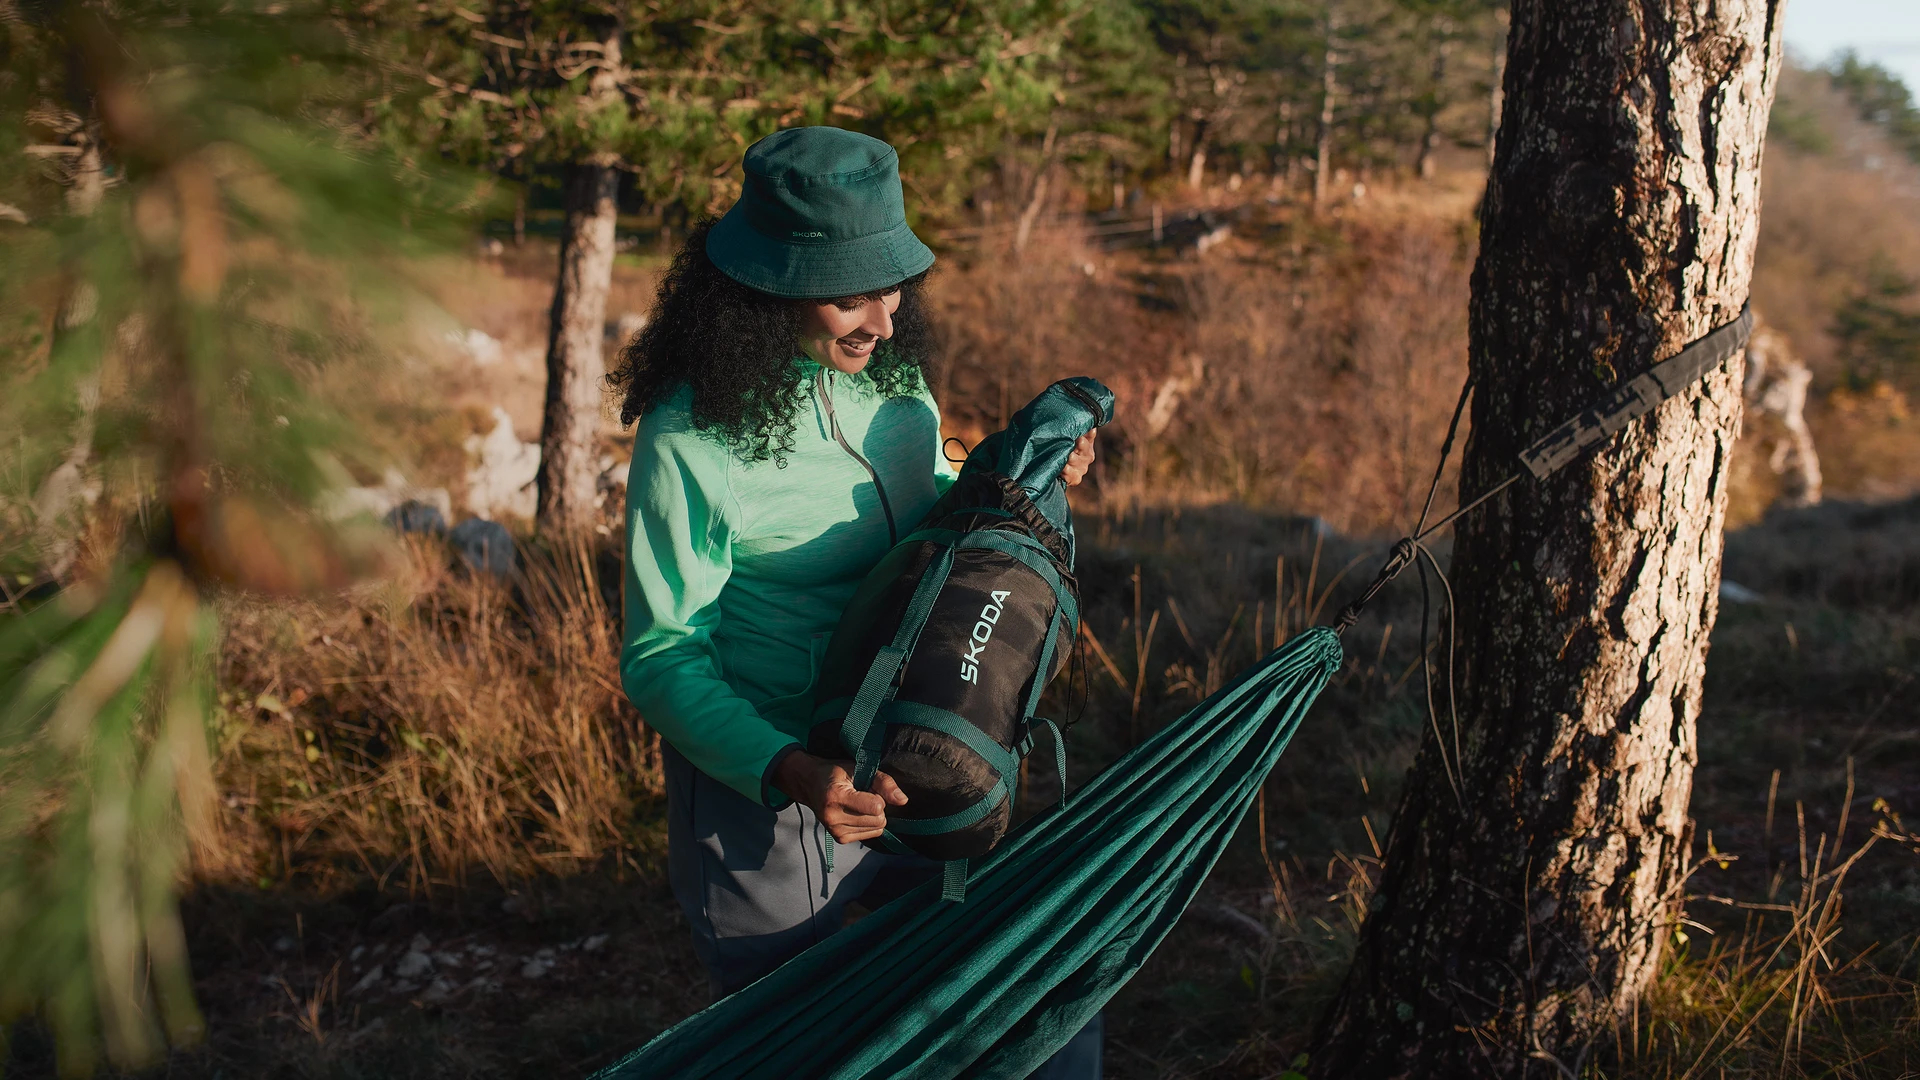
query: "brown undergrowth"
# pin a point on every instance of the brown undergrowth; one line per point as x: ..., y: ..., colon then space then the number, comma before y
x: 1313, y: 367
x: 437, y: 725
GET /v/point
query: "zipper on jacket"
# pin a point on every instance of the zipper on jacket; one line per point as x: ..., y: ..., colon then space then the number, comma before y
x: 824, y: 385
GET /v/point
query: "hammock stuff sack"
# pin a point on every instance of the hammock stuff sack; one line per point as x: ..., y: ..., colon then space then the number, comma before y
x: 1057, y: 918
x: 937, y: 665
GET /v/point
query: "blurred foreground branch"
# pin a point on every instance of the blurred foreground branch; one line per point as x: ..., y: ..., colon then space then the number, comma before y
x: 182, y: 218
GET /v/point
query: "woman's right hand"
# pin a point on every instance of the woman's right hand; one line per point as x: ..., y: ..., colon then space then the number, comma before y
x: 826, y: 787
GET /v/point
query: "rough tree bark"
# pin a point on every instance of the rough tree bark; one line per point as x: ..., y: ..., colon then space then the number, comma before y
x: 1513, y: 922
x: 569, y: 453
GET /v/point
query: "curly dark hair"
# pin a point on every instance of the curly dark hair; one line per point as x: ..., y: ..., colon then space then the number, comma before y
x: 735, y: 347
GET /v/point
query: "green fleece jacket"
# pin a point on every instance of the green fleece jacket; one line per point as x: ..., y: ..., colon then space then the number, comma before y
x: 737, y: 571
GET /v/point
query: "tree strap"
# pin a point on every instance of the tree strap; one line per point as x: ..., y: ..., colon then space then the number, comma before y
x: 1596, y: 424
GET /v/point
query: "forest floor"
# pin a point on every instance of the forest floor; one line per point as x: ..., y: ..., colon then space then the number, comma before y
x: 1808, y: 720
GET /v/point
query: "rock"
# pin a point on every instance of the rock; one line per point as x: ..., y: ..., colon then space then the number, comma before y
x: 368, y: 981
x: 1211, y: 238
x: 480, y: 346
x: 284, y: 944
x: 1735, y: 593
x: 440, y: 990
x: 416, y: 962
x: 485, y: 546
x: 538, y: 964
x: 612, y: 481
x: 501, y: 481
x: 593, y: 943
x: 415, y: 516
x: 413, y: 964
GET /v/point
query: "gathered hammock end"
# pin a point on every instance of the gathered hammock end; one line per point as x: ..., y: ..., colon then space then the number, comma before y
x: 1057, y: 918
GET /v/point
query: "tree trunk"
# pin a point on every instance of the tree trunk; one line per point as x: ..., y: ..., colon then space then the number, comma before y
x: 1197, y: 163
x: 1037, y: 199
x: 569, y: 452
x: 1329, y: 87
x: 1515, y: 921
x: 1425, y: 166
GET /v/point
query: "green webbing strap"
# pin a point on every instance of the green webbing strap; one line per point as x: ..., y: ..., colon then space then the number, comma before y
x: 829, y: 851
x: 1020, y: 546
x: 960, y: 820
x: 953, y: 880
x: 1004, y: 761
x: 1041, y: 674
x: 857, y: 731
x: 1059, y: 762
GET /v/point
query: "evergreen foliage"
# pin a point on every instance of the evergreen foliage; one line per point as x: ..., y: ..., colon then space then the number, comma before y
x: 675, y: 93
x: 1881, y: 98
x: 182, y: 201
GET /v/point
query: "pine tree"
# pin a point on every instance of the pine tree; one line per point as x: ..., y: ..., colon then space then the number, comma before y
x: 1532, y: 877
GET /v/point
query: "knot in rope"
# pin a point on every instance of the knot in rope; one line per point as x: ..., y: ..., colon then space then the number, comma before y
x: 1404, y: 552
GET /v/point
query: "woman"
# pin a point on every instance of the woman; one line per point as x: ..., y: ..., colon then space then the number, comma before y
x: 786, y: 440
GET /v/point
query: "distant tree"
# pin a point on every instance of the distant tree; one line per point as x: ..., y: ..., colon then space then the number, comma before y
x: 1880, y: 98
x: 174, y: 261
x: 1533, y: 874
x: 1878, y: 329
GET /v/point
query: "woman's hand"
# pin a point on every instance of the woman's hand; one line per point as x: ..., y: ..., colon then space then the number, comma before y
x: 1078, y: 461
x: 826, y: 787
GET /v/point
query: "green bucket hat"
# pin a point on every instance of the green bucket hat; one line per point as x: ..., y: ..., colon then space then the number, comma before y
x: 820, y: 216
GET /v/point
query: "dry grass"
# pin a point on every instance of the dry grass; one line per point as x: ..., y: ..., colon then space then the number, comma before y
x: 1782, y: 994
x: 436, y: 725
x: 1316, y: 369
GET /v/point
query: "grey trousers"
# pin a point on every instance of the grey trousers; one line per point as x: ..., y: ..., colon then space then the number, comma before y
x: 754, y: 887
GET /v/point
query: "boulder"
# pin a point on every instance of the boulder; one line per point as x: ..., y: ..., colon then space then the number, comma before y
x: 485, y: 546
x: 501, y: 481
x: 417, y: 516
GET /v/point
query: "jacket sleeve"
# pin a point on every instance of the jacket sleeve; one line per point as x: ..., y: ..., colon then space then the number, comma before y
x: 681, y: 520
x: 944, y: 472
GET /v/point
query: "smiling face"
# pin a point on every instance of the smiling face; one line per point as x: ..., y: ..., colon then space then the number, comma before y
x: 842, y: 334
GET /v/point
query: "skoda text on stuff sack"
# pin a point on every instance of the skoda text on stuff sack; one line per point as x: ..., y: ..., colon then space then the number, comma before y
x: 982, y: 633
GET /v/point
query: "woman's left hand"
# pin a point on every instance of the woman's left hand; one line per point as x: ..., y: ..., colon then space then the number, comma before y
x: 1080, y: 459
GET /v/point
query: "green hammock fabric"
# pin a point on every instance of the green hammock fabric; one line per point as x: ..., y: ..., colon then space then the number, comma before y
x: 1056, y: 919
